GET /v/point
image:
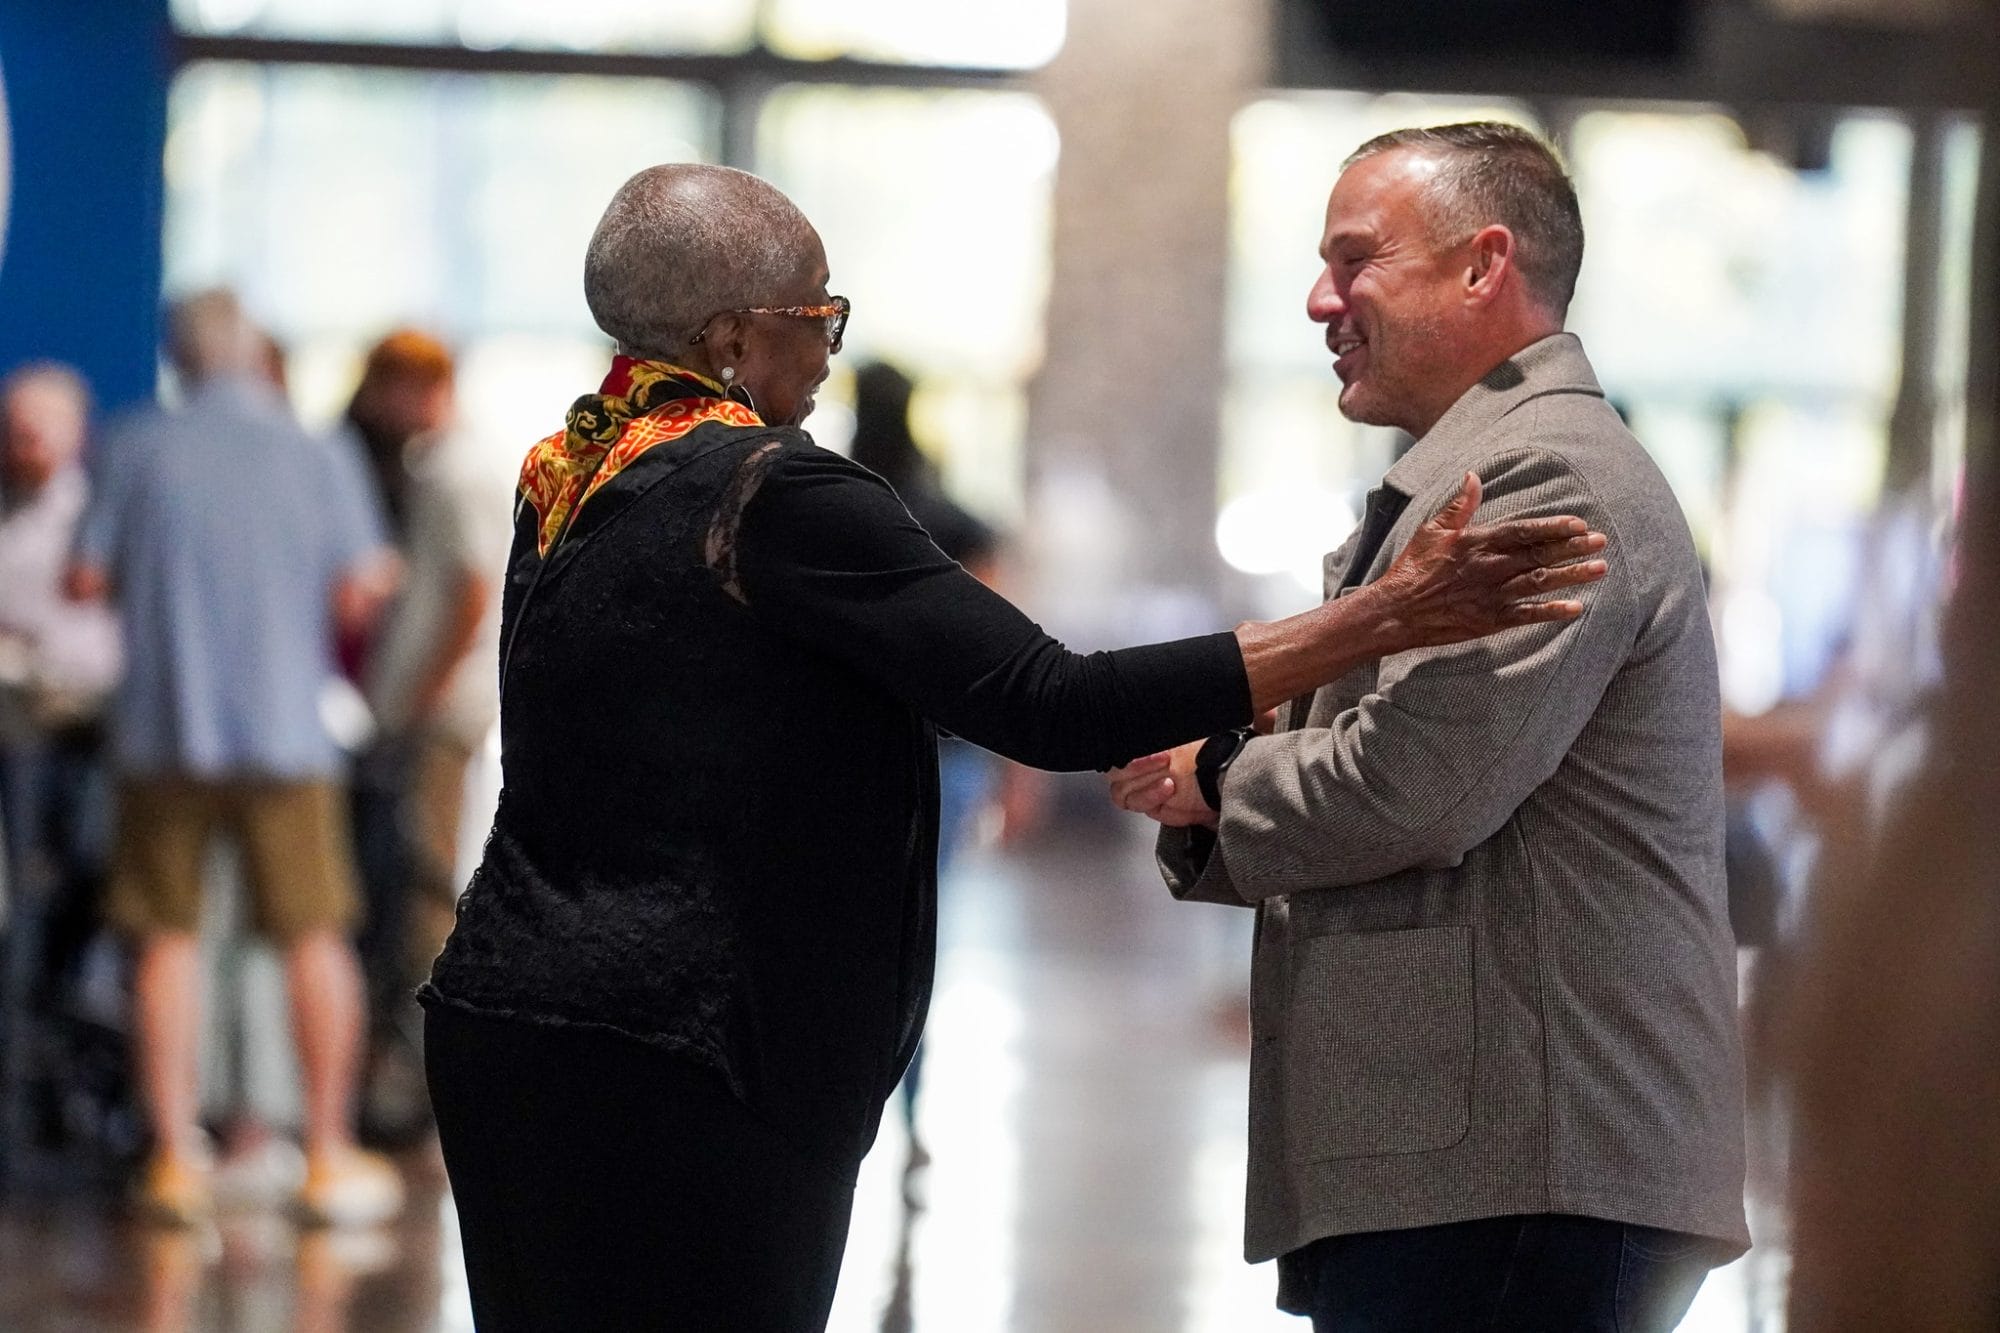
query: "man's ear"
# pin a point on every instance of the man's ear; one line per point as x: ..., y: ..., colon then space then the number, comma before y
x: 1492, y: 263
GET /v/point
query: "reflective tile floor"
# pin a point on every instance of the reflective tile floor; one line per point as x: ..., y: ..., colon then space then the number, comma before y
x: 1082, y: 1105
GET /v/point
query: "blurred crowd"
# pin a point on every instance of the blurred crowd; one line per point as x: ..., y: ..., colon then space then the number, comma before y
x: 241, y: 690
x: 247, y: 689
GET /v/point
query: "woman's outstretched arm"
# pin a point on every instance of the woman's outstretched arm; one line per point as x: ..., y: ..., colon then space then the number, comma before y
x: 826, y: 554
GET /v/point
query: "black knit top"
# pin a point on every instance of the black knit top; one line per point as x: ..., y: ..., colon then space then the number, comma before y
x: 718, y: 823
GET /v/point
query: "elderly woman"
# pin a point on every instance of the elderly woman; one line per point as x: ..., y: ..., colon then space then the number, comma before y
x: 698, y: 951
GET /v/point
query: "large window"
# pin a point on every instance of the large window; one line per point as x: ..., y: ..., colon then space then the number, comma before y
x: 1711, y: 266
x: 1020, y: 35
x: 935, y: 209
x: 676, y: 26
x: 343, y: 202
x: 1747, y: 311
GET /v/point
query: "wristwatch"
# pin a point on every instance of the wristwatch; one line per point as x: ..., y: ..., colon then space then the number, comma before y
x: 1213, y: 759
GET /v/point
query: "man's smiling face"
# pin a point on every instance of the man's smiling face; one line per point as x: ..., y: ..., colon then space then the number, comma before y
x: 1388, y: 293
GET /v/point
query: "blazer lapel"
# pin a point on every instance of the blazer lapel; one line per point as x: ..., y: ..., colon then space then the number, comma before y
x: 1385, y: 505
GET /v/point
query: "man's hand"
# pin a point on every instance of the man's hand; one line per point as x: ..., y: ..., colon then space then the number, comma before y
x: 1455, y: 582
x: 1162, y: 786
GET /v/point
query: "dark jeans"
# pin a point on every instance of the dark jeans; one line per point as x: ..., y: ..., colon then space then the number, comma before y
x: 383, y: 859
x: 602, y: 1184
x: 55, y: 807
x: 63, y: 1076
x: 1542, y: 1273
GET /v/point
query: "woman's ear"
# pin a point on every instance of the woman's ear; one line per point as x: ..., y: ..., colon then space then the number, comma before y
x: 728, y: 339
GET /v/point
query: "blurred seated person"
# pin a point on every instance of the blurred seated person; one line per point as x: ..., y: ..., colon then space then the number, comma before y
x: 58, y: 663
x: 233, y: 546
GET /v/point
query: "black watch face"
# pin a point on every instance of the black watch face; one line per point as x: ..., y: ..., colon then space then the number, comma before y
x: 1220, y: 749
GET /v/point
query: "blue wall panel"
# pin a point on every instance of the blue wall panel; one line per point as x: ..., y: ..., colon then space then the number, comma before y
x: 86, y: 89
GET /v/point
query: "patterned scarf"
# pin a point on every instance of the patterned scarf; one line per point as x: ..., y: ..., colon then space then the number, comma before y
x: 641, y: 404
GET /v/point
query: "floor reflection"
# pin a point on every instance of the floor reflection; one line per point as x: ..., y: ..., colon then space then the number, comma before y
x: 1083, y: 1111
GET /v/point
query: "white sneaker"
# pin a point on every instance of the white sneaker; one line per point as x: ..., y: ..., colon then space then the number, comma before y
x: 349, y: 1188
x: 261, y: 1176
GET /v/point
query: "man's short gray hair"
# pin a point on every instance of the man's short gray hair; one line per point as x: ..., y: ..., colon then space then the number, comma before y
x: 1490, y: 172
x: 208, y: 335
x: 682, y: 243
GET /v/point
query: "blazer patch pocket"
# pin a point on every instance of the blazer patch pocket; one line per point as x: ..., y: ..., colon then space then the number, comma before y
x: 1379, y: 1043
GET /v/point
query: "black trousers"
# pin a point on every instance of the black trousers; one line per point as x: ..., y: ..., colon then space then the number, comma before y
x: 1539, y: 1273
x: 602, y: 1184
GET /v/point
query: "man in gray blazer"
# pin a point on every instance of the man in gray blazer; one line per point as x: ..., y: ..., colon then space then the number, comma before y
x: 1495, y: 1073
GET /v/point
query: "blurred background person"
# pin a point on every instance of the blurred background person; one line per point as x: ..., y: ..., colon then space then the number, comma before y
x: 430, y: 680
x: 233, y: 549
x: 970, y: 780
x: 249, y: 1073
x: 58, y: 662
x: 885, y: 444
x: 1894, y: 1021
x: 406, y: 391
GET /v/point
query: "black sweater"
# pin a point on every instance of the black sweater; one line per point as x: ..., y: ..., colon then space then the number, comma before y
x: 717, y: 831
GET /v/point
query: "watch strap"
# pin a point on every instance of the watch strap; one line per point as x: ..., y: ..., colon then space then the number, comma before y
x: 1212, y: 760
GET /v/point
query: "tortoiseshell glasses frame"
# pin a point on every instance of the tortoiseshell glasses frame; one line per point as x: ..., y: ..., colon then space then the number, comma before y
x: 835, y: 314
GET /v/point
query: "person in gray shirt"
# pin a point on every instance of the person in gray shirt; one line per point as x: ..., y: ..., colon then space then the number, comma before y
x: 1496, y: 1080
x: 234, y: 544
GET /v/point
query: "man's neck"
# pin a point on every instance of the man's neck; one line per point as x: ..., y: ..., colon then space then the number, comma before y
x: 1490, y: 354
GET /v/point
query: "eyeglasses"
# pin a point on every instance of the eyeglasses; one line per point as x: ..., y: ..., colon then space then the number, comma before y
x: 834, y: 313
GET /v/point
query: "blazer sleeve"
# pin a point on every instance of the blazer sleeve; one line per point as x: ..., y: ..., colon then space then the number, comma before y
x: 1448, y: 745
x: 829, y: 557
x: 1194, y: 868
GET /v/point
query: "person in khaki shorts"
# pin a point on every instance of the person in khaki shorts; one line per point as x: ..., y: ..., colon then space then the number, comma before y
x: 295, y: 856
x: 236, y: 547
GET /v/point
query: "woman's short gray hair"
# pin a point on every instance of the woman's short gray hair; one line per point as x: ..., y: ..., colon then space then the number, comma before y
x: 682, y: 243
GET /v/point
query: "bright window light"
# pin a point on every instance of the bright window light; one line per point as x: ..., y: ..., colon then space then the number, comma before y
x: 1022, y: 35
x: 1283, y: 532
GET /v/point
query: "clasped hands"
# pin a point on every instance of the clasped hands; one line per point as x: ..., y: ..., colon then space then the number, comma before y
x: 1162, y: 786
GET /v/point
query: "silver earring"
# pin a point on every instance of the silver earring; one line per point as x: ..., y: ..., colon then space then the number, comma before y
x: 728, y: 376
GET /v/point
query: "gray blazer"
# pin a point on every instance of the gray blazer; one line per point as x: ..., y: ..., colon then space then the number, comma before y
x: 1494, y: 971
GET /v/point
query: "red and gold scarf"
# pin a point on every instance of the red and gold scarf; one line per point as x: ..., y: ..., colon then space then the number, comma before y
x: 641, y: 404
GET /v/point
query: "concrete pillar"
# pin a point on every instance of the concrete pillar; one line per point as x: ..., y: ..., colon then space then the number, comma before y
x: 1123, y: 416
